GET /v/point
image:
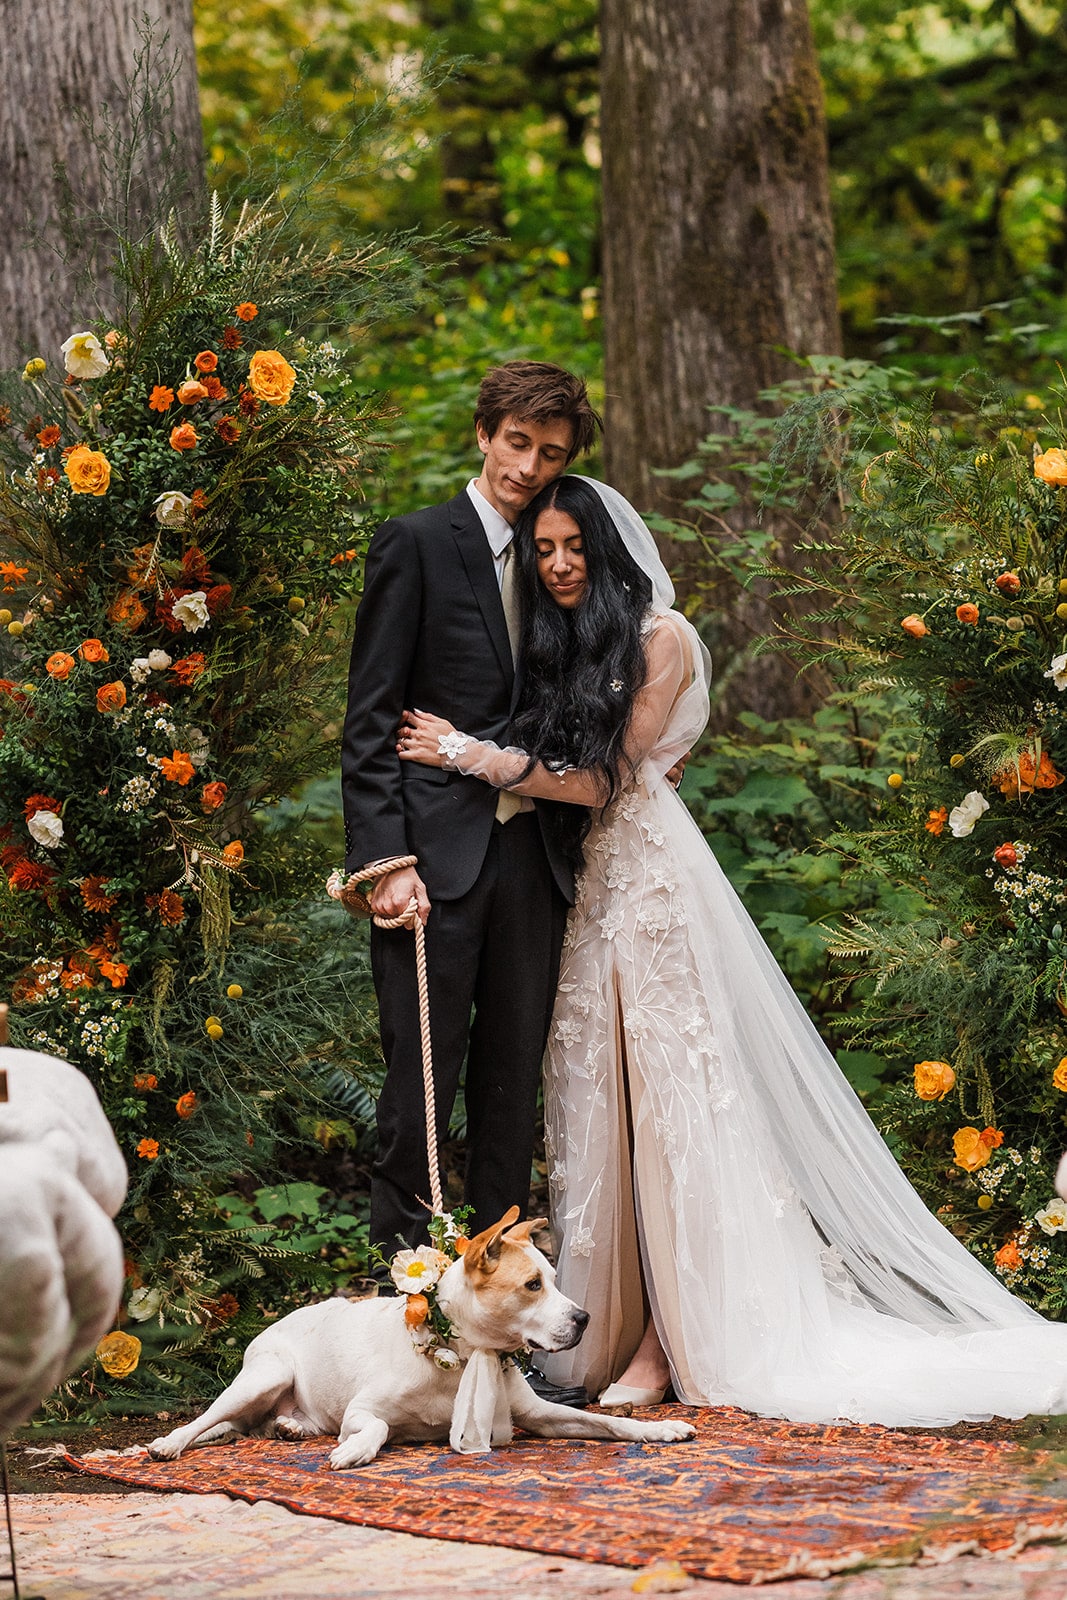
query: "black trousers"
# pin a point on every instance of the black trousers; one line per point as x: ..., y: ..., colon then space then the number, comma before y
x: 494, y: 952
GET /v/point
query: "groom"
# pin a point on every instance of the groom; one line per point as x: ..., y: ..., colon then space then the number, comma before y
x: 437, y: 630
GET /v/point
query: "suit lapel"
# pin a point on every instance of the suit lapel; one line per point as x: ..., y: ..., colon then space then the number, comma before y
x: 477, y: 558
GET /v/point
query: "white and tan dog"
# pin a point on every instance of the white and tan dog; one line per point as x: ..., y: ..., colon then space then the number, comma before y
x: 350, y: 1367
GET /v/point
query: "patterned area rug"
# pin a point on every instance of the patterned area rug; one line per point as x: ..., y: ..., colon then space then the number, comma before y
x: 748, y: 1500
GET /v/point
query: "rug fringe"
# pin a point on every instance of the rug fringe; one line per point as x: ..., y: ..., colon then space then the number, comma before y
x: 808, y: 1566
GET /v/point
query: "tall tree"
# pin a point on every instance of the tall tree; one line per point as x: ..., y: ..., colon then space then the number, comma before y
x: 101, y: 125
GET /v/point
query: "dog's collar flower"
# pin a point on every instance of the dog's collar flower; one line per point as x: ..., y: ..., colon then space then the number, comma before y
x: 415, y: 1271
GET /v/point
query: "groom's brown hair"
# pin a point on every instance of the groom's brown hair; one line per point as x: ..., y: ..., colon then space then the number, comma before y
x: 537, y: 391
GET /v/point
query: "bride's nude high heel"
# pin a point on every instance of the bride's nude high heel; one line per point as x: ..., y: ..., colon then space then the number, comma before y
x: 620, y: 1398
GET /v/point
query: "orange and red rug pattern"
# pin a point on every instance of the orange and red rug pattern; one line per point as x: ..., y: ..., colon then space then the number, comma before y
x: 749, y: 1500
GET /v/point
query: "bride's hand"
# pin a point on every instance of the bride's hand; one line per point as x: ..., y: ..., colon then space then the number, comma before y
x: 418, y: 738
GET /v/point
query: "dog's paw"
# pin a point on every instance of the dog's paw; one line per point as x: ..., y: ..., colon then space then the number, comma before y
x: 667, y: 1432
x: 165, y: 1449
x: 353, y: 1453
x: 289, y: 1429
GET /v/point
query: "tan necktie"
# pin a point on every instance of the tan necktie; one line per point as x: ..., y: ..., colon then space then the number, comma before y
x: 507, y: 804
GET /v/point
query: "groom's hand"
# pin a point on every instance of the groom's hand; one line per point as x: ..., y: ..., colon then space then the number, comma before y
x: 392, y: 894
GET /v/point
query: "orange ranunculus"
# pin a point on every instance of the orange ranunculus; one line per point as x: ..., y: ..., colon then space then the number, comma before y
x: 1051, y: 466
x: 184, y: 437
x: 148, y: 1149
x: 118, y: 1353
x: 972, y: 1147
x: 233, y: 853
x: 231, y: 339
x: 1005, y: 855
x: 88, y: 471
x: 1059, y: 1076
x: 94, y: 893
x: 191, y: 391
x: 206, y: 361
x: 967, y: 612
x: 116, y: 972
x: 111, y: 697
x: 189, y: 668
x: 144, y: 1081
x: 178, y: 767
x: 933, y: 1079
x: 212, y: 796
x: 185, y: 1104
x: 59, y: 665
x: 936, y: 821
x: 161, y: 399
x: 417, y: 1310
x: 1008, y: 1258
x: 126, y: 611
x: 914, y: 626
x: 49, y: 436
x: 270, y: 377
x: 228, y: 429
x: 41, y: 802
x: 1009, y: 583
x: 1026, y: 775
x: 247, y: 311
x: 93, y: 650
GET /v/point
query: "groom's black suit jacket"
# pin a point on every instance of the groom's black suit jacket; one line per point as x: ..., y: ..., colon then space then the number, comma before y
x: 430, y: 635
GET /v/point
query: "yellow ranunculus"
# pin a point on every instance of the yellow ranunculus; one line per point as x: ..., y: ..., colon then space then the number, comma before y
x: 118, y: 1353
x: 1059, y: 1077
x: 89, y: 471
x: 971, y: 1149
x: 1051, y: 466
x: 933, y: 1079
x: 270, y: 377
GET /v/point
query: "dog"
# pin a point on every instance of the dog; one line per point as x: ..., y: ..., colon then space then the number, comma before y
x: 350, y: 1368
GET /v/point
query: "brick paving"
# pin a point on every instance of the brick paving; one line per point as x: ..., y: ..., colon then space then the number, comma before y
x: 207, y: 1547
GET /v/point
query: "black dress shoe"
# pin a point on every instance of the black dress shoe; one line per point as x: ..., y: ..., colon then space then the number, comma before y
x: 577, y: 1396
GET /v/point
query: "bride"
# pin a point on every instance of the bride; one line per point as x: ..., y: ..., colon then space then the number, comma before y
x: 722, y: 1202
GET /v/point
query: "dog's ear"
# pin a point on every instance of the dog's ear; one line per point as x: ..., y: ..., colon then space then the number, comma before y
x: 520, y: 1233
x: 483, y: 1252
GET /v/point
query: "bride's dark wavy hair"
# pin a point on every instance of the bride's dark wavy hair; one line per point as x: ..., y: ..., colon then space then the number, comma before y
x: 583, y: 667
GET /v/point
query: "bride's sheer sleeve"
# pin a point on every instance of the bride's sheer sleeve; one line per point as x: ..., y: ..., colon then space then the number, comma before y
x: 669, y: 673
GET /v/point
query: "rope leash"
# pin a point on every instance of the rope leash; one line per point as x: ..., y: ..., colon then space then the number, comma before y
x: 357, y: 903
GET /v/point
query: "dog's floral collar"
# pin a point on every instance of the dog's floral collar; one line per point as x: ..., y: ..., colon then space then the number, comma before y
x: 416, y: 1273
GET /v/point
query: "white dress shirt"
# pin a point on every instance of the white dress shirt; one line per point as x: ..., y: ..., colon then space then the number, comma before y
x: 497, y: 529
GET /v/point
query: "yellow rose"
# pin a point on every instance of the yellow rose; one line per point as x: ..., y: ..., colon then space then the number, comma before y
x: 1051, y: 466
x: 972, y: 1150
x: 89, y: 471
x: 1059, y: 1077
x: 933, y: 1079
x: 118, y: 1353
x: 270, y: 377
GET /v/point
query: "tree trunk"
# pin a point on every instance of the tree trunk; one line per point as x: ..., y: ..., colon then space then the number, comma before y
x: 99, y: 122
x: 718, y: 245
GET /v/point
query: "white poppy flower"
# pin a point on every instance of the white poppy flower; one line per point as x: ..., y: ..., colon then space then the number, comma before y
x: 140, y: 669
x: 158, y: 660
x: 962, y: 818
x: 191, y: 611
x: 144, y: 1303
x: 1057, y: 671
x: 1053, y: 1217
x: 46, y: 828
x: 414, y: 1271
x: 171, y: 507
x: 84, y: 356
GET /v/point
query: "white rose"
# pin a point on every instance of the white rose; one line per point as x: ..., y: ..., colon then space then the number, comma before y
x: 144, y: 1303
x: 158, y: 660
x: 84, y: 356
x: 191, y: 611
x: 962, y: 818
x: 1057, y: 671
x: 140, y: 668
x: 171, y: 507
x: 46, y: 828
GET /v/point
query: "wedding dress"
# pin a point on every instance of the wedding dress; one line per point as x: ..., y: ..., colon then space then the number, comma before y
x: 707, y: 1158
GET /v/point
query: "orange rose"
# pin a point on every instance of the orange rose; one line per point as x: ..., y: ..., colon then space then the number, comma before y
x: 126, y: 611
x: 1051, y: 466
x: 270, y: 377
x: 59, y: 665
x: 936, y: 821
x: 206, y: 361
x: 148, y: 1149
x: 1059, y: 1077
x: 933, y: 1079
x: 234, y: 853
x: 915, y: 626
x: 1005, y: 855
x: 1008, y: 1258
x: 185, y: 1104
x: 184, y: 437
x: 111, y: 697
x: 212, y: 796
x: 118, y: 1353
x: 161, y: 399
x: 178, y: 767
x: 1009, y: 583
x: 967, y: 612
x: 92, y: 650
x: 417, y: 1310
x: 89, y: 471
x: 247, y: 311
x: 972, y: 1149
x: 190, y: 392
